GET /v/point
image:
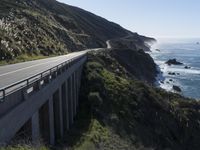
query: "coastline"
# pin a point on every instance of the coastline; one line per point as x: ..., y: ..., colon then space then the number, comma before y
x: 184, y: 76
x: 161, y: 80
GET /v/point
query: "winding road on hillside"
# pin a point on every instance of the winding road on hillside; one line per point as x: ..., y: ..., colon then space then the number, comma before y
x: 108, y: 44
x: 11, y: 74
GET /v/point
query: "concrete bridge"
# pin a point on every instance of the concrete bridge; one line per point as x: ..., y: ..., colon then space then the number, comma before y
x: 40, y: 98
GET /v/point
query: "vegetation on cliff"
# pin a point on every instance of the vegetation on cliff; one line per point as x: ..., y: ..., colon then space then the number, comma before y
x: 120, y: 112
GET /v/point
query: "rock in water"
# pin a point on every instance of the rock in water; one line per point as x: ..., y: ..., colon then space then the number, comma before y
x: 157, y: 50
x: 172, y: 73
x: 187, y: 67
x: 176, y: 88
x: 173, y: 62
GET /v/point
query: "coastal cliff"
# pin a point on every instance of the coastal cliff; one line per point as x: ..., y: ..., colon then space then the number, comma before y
x: 118, y: 111
x: 132, y: 41
x: 138, y: 63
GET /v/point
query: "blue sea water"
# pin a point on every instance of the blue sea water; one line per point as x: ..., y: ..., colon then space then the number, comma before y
x: 186, y: 51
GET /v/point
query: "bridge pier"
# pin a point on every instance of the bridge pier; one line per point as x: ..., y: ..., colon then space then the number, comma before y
x: 51, y: 122
x: 74, y: 94
x: 61, y: 112
x: 70, y: 98
x: 77, y: 90
x: 58, y: 122
x: 79, y: 81
x: 64, y: 108
x: 44, y: 122
x: 35, y: 127
x: 67, y: 105
x: 77, y: 94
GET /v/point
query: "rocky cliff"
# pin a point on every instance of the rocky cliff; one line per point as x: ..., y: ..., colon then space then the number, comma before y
x: 137, y: 63
x: 119, y: 112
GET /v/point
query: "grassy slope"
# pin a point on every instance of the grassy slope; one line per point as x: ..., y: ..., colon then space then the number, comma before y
x: 120, y: 112
x: 47, y: 27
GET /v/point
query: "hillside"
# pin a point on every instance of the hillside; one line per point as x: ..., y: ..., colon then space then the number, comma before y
x: 119, y: 112
x: 47, y: 27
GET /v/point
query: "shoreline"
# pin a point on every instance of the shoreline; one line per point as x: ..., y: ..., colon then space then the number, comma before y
x: 171, y: 76
x: 162, y: 81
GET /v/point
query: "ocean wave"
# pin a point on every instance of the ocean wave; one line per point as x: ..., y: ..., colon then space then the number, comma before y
x: 177, y: 69
x: 181, y: 70
x: 167, y: 87
x: 159, y: 62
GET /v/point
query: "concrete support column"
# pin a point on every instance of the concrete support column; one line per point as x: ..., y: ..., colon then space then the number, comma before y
x: 51, y: 122
x: 44, y: 122
x: 64, y: 107
x: 58, y: 117
x: 77, y: 92
x: 35, y: 127
x: 61, y: 113
x: 70, y: 100
x: 79, y: 76
x: 74, y: 92
x: 79, y: 82
x: 67, y: 105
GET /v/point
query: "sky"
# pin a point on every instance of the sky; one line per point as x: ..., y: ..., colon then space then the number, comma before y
x: 156, y: 18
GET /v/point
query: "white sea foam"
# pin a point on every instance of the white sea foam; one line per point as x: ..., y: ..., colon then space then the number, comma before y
x: 166, y: 86
x: 185, y: 71
x: 177, y: 69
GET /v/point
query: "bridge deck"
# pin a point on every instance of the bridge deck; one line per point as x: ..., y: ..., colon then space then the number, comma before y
x: 10, y: 74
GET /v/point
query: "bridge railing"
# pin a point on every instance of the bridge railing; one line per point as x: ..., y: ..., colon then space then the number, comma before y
x: 43, y: 78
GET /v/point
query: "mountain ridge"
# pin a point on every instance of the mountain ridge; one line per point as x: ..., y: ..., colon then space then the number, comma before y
x: 41, y: 27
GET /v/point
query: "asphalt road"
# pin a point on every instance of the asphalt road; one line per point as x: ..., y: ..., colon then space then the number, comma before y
x: 10, y: 74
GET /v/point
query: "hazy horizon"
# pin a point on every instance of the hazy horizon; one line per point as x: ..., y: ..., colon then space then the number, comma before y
x: 168, y: 19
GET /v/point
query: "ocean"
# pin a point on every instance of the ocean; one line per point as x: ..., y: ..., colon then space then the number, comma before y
x: 186, y: 51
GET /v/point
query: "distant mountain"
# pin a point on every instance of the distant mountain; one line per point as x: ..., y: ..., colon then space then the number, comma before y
x: 44, y: 27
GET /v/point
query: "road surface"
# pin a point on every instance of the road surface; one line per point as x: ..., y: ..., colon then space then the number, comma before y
x: 10, y: 74
x: 108, y: 44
